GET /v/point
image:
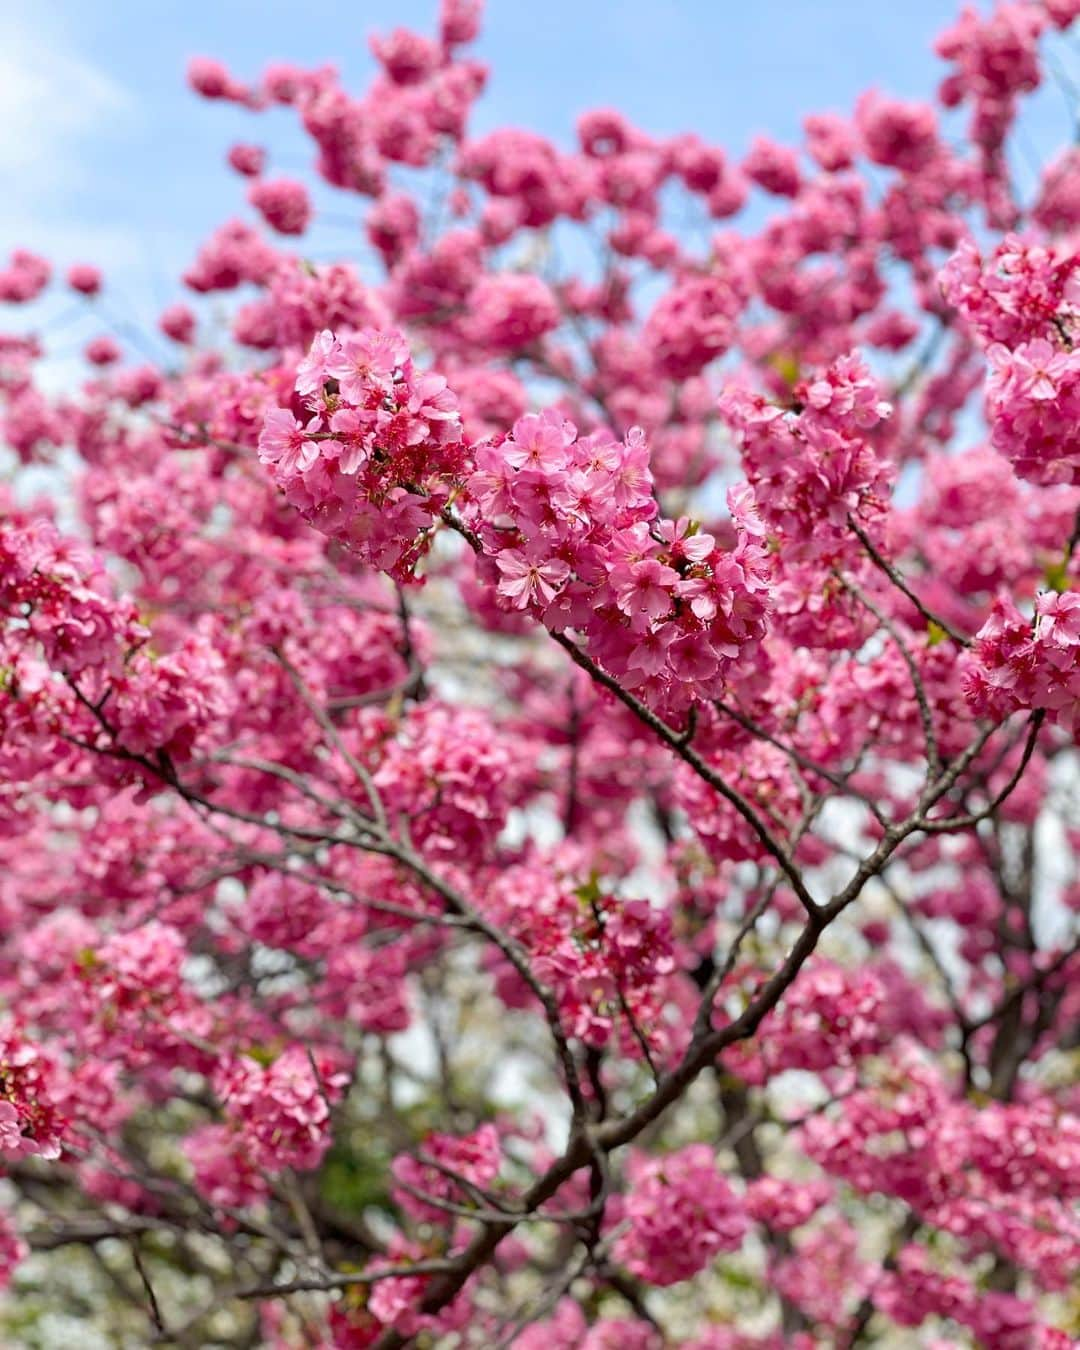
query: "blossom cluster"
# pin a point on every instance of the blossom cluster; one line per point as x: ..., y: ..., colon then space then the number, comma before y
x: 574, y: 531
x: 464, y: 1165
x: 814, y: 468
x: 378, y: 452
x: 660, y: 923
x: 451, y: 778
x: 831, y: 1020
x: 1020, y: 663
x: 681, y: 1214
x: 282, y: 1109
x: 24, y: 278
x: 70, y: 644
x: 1021, y: 304
x: 31, y: 1121
x: 996, y: 1179
x: 610, y: 961
x: 915, y: 1290
x: 996, y: 59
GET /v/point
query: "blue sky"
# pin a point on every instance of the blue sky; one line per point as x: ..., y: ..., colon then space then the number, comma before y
x: 107, y: 157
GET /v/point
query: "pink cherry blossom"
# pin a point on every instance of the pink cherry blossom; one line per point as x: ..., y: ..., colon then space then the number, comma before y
x: 537, y: 745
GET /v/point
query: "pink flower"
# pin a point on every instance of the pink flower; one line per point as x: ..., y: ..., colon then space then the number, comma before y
x: 224, y: 1171
x: 1036, y: 368
x: 530, y: 580
x: 283, y: 203
x: 178, y: 323
x: 644, y: 589
x: 11, y: 1139
x: 650, y: 651
x: 314, y: 370
x: 692, y: 658
x: 208, y: 77
x: 283, y: 443
x: 539, y: 443
x: 684, y: 542
x: 366, y: 361
x: 247, y: 159
x: 682, y: 1213
x: 282, y: 1111
x: 632, y: 480
x: 1059, y: 618
x: 773, y: 167
x: 102, y: 351
x: 84, y: 278
x: 693, y: 323
x: 511, y: 311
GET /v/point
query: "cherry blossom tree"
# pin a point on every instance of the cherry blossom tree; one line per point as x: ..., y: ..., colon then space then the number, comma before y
x: 538, y: 779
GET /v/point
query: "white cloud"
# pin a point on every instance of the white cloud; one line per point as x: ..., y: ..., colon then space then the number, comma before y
x: 52, y: 104
x: 63, y: 121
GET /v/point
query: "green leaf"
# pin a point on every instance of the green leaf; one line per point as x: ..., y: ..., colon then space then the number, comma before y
x: 589, y: 892
x: 1057, y: 576
x: 354, y: 1181
x: 935, y: 634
